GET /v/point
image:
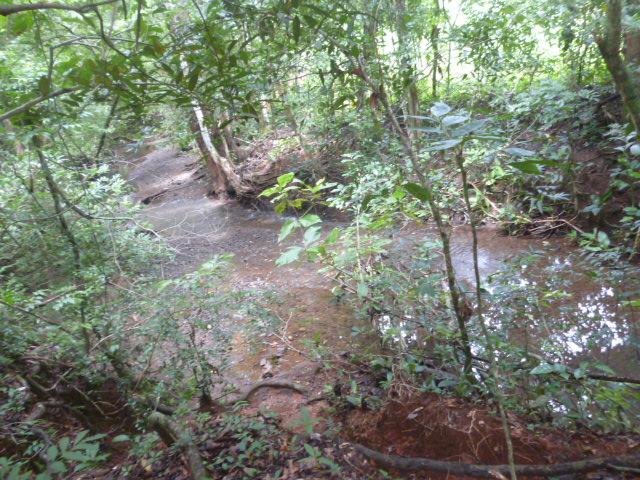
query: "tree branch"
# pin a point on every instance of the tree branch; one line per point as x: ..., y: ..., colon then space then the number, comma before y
x: 6, y: 10
x: 35, y: 101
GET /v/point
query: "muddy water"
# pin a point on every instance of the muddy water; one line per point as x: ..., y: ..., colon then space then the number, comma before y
x: 578, y: 319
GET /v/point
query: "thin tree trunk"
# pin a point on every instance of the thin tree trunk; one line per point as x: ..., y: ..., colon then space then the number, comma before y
x: 240, y: 154
x: 435, y: 45
x: 626, y: 82
x: 218, y: 179
x: 408, y: 68
x: 103, y: 137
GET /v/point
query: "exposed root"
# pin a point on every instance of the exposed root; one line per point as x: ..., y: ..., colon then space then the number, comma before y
x: 407, y: 464
x: 170, y: 434
x: 270, y: 384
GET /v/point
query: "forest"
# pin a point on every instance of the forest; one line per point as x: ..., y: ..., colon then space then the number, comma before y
x: 302, y: 239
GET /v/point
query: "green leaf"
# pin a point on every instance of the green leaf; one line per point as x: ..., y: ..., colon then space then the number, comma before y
x: 121, y: 438
x: 467, y: 128
x: 340, y: 101
x: 80, y: 436
x: 363, y: 289
x: 603, y: 239
x: 52, y: 452
x: 284, y: 180
x: 64, y: 443
x: 428, y: 129
x: 418, y: 191
x: 289, y: 256
x: 312, y: 234
x: 543, y: 369
x: 367, y: 199
x: 286, y: 230
x: 520, y: 152
x: 193, y: 78
x: 296, y: 29
x: 604, y: 368
x: 440, y: 109
x: 58, y: 467
x: 443, y: 145
x: 44, y: 85
x: 527, y: 166
x: 22, y: 22
x: 399, y: 194
x: 540, y: 401
x: 333, y: 236
x: 74, y: 456
x: 310, y: 219
x: 454, y: 120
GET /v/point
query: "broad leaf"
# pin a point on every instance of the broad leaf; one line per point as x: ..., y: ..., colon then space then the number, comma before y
x: 520, y: 152
x: 367, y: 199
x: 454, y: 120
x: 44, y: 85
x: 427, y: 130
x: 289, y: 256
x: 286, y: 230
x: 443, y: 145
x: 543, y: 369
x: 333, y: 236
x: 310, y: 219
x: 296, y: 29
x: 440, y: 109
x: 468, y: 128
x: 363, y: 289
x: 284, y: 180
x: 418, y: 191
x: 528, y: 166
x: 312, y: 234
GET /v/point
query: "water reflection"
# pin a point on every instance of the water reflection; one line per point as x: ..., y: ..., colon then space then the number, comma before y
x: 541, y: 295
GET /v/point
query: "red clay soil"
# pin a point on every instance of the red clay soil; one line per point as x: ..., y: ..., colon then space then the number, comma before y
x: 448, y: 429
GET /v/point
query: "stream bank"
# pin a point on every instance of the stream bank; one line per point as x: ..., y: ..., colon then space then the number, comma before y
x: 171, y: 186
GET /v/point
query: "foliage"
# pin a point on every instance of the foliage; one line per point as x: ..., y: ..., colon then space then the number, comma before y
x: 514, y: 92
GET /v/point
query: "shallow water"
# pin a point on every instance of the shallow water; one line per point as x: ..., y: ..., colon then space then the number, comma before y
x: 554, y: 304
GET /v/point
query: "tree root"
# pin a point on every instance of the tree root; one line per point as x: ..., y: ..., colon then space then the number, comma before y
x: 170, y: 433
x: 407, y: 464
x: 270, y: 384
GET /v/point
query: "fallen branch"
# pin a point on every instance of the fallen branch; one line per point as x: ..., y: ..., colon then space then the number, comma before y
x: 407, y: 464
x: 11, y: 9
x: 170, y: 433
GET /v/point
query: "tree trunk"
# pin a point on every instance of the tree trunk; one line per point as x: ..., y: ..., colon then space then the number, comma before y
x: 626, y: 82
x: 435, y: 44
x: 632, y: 39
x: 240, y: 154
x: 407, y: 66
x: 218, y: 178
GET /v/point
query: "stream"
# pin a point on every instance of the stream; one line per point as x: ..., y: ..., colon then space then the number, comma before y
x: 581, y: 310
